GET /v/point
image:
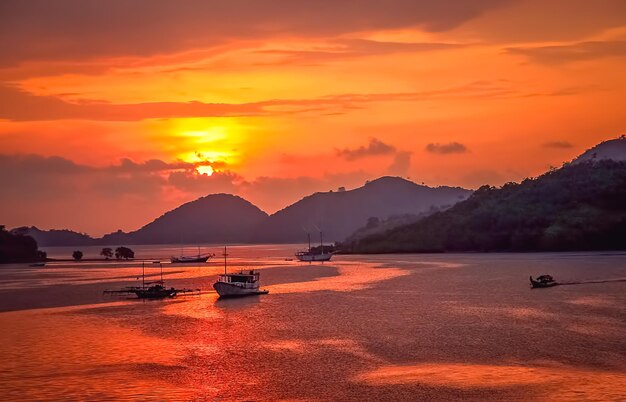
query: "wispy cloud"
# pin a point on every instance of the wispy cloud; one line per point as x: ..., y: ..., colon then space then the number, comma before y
x: 558, y: 144
x: 375, y: 147
x: 342, y: 49
x: 401, y: 164
x: 90, y: 29
x: 449, y: 148
x: 559, y: 54
x: 19, y: 105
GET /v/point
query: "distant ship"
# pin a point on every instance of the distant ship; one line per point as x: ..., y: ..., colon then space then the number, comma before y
x: 242, y: 283
x: 314, y: 254
x: 191, y: 259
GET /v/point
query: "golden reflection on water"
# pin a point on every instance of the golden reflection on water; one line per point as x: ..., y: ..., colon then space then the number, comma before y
x: 347, y: 346
x: 350, y: 277
x: 593, y: 301
x: 348, y: 329
x: 558, y: 383
x: 53, y: 354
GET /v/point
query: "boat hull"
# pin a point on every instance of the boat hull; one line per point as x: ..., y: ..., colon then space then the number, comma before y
x: 187, y: 260
x: 225, y: 290
x: 314, y: 257
x: 160, y: 294
x: 542, y: 284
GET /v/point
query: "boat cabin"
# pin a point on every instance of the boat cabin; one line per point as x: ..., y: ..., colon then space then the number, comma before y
x: 242, y: 278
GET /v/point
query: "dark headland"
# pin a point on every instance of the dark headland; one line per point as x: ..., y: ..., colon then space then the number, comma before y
x: 579, y: 207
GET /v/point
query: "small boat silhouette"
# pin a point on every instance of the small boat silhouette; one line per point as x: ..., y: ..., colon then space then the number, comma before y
x: 543, y: 281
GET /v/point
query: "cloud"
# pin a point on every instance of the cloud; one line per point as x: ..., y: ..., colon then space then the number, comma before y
x: 342, y: 49
x: 560, y: 54
x: 54, y: 192
x: 191, y: 182
x: 401, y: 164
x: 22, y: 106
x: 86, y: 29
x: 19, y: 105
x: 374, y: 148
x: 558, y: 144
x: 449, y: 148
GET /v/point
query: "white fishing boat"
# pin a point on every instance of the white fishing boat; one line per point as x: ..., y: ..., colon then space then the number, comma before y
x: 316, y: 254
x: 242, y: 283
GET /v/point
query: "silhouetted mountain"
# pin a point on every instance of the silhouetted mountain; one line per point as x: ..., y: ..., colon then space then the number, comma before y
x: 223, y: 218
x: 49, y: 238
x: 376, y: 225
x: 217, y: 218
x: 16, y: 247
x: 612, y: 149
x: 581, y: 206
x: 338, y: 214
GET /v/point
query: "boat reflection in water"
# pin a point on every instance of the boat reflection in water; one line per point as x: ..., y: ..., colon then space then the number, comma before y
x: 242, y: 283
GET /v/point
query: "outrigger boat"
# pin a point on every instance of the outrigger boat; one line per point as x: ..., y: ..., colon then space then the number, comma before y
x: 153, y: 289
x: 242, y: 283
x: 543, y: 281
x: 314, y: 255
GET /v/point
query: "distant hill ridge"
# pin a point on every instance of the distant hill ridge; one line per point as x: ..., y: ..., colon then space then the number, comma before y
x: 339, y: 214
x: 216, y: 218
x: 581, y: 206
x: 225, y: 218
x: 55, y: 237
x: 614, y: 149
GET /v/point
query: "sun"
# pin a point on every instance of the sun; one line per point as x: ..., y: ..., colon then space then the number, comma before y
x: 200, y: 141
x: 205, y: 169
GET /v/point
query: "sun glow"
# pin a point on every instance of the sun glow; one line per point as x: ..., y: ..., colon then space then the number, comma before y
x: 207, y: 140
x: 205, y: 169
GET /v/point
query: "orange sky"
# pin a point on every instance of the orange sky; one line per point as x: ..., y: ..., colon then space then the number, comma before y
x: 108, y: 110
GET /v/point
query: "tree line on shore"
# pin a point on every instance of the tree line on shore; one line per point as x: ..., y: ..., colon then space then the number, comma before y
x: 19, y: 248
x: 121, y: 253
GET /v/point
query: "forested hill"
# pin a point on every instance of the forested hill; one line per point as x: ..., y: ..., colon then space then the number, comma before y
x: 18, y: 248
x: 581, y: 206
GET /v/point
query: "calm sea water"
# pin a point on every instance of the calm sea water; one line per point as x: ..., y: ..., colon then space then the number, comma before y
x: 394, y: 327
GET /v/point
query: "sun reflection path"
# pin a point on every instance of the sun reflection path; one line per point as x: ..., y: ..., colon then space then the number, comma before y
x: 350, y: 277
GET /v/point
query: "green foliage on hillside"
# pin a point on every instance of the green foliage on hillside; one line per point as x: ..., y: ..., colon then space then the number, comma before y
x: 578, y: 207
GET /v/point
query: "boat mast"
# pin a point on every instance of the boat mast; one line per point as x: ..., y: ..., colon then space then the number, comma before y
x: 309, y: 235
x: 225, y: 260
x: 321, y: 242
x: 143, y: 275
